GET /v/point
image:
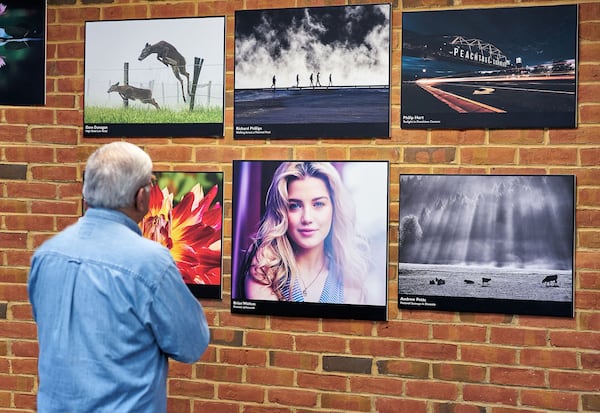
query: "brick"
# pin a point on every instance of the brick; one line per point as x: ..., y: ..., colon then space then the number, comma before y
x: 433, y: 390
x: 293, y: 397
x: 294, y: 360
x: 434, y: 351
x: 429, y: 155
x: 470, y: 334
x: 269, y: 340
x: 517, y: 376
x: 517, y: 336
x: 241, y: 393
x: 8, y: 206
x: 548, y: 156
x: 488, y: 354
x: 375, y: 347
x: 488, y: 156
x: 548, y: 358
x: 356, y: 365
x: 189, y: 388
x: 270, y: 376
x: 554, y: 400
x: 580, y: 340
x: 13, y: 240
x: 13, y: 133
x: 16, y: 383
x: 55, y: 135
x: 179, y: 405
x: 220, y: 373
x: 346, y: 402
x: 580, y: 381
x: 321, y: 381
x: 395, y: 405
x: 227, y: 337
x: 13, y: 171
x: 490, y: 394
x: 238, y: 356
x: 591, y: 402
x: 325, y: 344
x: 376, y: 385
x: 219, y: 406
x: 517, y: 137
x: 403, y: 368
x: 459, y: 372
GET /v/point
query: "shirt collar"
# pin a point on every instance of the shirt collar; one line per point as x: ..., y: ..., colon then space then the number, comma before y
x: 113, y: 215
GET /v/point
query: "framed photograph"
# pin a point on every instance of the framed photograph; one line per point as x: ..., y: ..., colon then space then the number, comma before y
x: 314, y: 72
x: 487, y: 243
x: 155, y: 78
x: 186, y: 216
x: 23, y: 52
x: 496, y: 68
x: 310, y: 239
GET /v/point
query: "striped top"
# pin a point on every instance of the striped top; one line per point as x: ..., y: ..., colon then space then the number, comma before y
x: 333, y: 290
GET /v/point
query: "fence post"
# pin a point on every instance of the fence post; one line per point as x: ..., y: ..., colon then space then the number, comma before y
x: 197, y: 68
x: 126, y: 81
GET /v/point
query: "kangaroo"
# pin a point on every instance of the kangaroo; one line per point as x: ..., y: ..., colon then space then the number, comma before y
x: 134, y: 93
x: 169, y: 56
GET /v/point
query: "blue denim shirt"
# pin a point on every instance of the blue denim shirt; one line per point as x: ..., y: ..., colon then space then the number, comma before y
x: 111, y: 308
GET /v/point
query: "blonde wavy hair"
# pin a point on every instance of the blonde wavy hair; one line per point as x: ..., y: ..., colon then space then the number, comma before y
x: 270, y: 259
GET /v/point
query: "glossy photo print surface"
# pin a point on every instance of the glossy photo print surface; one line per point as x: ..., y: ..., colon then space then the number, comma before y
x: 310, y: 239
x: 487, y: 243
x: 312, y: 72
x: 186, y: 216
x: 155, y: 77
x: 23, y: 52
x: 497, y: 68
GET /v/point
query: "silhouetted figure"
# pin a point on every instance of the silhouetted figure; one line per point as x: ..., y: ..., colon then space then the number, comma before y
x: 297, y: 80
x: 311, y: 80
x: 318, y: 80
x: 330, y: 82
x: 273, y: 85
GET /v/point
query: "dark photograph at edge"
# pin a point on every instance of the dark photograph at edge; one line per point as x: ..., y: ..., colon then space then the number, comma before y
x: 496, y: 68
x: 310, y: 239
x: 186, y: 216
x: 23, y: 52
x: 312, y: 72
x: 487, y: 243
x: 153, y: 77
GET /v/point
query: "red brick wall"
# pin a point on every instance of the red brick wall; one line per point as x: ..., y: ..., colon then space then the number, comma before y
x: 417, y: 362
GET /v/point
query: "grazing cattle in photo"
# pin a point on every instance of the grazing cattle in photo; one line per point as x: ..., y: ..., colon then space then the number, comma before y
x: 485, y: 281
x: 432, y: 282
x: 469, y: 282
x: 134, y: 93
x: 169, y: 56
x: 549, y: 278
x: 440, y: 281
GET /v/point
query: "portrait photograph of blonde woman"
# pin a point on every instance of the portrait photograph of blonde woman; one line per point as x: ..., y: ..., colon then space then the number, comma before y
x: 310, y: 238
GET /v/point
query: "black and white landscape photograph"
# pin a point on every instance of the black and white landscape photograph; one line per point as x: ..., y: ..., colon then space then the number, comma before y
x: 312, y: 72
x: 487, y: 243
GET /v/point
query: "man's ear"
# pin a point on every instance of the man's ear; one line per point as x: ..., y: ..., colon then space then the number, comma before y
x: 140, y: 199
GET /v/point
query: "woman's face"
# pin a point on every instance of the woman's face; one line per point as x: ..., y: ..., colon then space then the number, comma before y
x: 310, y: 212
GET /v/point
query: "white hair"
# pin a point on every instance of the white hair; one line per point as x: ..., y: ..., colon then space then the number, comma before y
x: 114, y: 173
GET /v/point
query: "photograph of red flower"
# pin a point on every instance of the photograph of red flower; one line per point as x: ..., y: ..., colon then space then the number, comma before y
x: 186, y: 216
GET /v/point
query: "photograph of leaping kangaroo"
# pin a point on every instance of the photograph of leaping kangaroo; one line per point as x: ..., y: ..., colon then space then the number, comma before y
x: 128, y: 92
x: 169, y: 56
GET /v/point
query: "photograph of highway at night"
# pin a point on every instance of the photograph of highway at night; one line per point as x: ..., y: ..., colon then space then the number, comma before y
x: 504, y: 68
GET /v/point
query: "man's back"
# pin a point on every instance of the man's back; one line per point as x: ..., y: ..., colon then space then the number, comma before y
x: 111, y: 308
